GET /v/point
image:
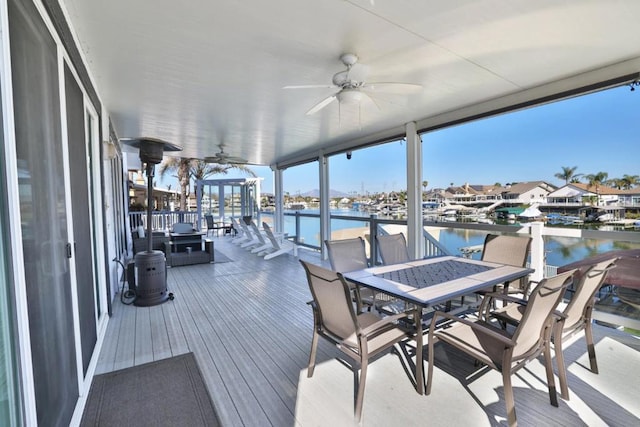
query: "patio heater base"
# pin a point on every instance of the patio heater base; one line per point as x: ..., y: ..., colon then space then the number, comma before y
x: 150, y: 279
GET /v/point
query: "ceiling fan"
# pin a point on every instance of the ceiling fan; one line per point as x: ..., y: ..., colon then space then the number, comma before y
x: 353, y: 87
x: 224, y: 158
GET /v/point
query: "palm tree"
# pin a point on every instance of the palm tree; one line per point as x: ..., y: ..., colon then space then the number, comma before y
x: 568, y: 173
x: 630, y: 181
x: 186, y: 169
x: 596, y: 180
x: 618, y: 183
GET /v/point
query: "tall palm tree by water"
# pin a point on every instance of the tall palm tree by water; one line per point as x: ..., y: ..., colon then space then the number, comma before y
x: 596, y: 180
x: 630, y: 181
x: 186, y: 169
x: 568, y: 173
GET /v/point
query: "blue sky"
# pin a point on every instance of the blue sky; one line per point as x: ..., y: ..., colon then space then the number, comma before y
x: 596, y: 132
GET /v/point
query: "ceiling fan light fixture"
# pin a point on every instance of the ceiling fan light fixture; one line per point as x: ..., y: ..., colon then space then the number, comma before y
x: 349, y: 96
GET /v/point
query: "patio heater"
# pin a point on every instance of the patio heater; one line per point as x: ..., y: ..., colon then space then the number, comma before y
x: 150, y: 266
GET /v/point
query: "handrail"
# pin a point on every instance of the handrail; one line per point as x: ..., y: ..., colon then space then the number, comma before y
x: 163, y: 220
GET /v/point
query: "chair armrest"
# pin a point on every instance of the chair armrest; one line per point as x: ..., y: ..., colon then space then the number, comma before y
x: 483, y: 310
x: 559, y: 315
x: 382, y: 322
x: 473, y: 325
x: 507, y: 298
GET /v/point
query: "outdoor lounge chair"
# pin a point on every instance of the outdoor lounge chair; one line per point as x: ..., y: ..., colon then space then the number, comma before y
x: 241, y: 235
x: 392, y: 248
x: 575, y: 317
x: 261, y: 243
x: 359, y: 336
x: 350, y: 255
x: 254, y: 239
x: 279, y: 246
x: 502, y: 350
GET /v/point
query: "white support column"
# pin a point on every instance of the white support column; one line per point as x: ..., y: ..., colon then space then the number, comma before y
x: 278, y: 215
x: 325, y: 219
x: 537, y: 251
x: 220, y: 199
x: 414, y: 192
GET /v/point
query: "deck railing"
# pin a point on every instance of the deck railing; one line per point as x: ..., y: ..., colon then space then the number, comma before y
x: 164, y: 220
x: 537, y: 231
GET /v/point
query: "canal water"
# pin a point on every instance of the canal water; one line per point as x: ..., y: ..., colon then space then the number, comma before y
x: 558, y: 250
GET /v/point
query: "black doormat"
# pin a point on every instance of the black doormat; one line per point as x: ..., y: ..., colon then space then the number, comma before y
x: 169, y: 392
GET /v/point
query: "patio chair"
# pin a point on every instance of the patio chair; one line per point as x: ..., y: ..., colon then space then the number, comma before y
x: 349, y: 255
x: 575, y: 317
x: 279, y: 245
x: 359, y: 336
x: 212, y: 226
x: 502, y: 350
x: 510, y: 250
x: 392, y: 248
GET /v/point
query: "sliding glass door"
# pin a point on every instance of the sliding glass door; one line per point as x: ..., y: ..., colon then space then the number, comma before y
x: 47, y: 249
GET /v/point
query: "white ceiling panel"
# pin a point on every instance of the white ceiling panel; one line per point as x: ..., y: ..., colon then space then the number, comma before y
x: 202, y: 73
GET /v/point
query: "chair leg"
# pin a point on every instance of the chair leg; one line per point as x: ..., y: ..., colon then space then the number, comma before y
x: 591, y: 349
x: 562, y: 369
x: 361, y: 382
x: 508, y: 398
x: 551, y: 382
x: 430, y: 366
x: 312, y: 355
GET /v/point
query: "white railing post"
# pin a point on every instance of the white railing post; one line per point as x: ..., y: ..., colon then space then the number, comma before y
x: 537, y: 251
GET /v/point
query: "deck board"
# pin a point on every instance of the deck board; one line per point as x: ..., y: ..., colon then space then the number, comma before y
x: 249, y: 326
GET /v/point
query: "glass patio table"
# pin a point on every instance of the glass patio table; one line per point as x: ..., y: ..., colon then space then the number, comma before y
x: 431, y: 281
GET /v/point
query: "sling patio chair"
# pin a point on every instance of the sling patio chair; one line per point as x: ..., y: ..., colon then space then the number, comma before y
x: 575, y: 317
x: 510, y: 250
x: 360, y: 336
x: 350, y: 255
x: 212, y: 225
x: 506, y: 351
x: 392, y: 248
x: 279, y: 245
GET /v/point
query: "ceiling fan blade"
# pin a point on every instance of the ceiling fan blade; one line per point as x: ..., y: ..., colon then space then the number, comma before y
x: 226, y: 160
x: 371, y: 98
x: 320, y: 105
x: 394, y: 87
x: 310, y: 87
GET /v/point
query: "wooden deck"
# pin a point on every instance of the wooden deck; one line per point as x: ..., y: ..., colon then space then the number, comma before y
x: 249, y: 326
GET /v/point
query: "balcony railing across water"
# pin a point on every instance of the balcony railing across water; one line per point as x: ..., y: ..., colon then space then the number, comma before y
x: 164, y: 220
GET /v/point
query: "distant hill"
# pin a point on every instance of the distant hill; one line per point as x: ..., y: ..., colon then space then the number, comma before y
x: 316, y: 193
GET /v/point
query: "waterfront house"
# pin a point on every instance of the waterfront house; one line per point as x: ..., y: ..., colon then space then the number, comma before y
x: 526, y: 193
x: 523, y: 193
x: 581, y: 194
x: 78, y: 77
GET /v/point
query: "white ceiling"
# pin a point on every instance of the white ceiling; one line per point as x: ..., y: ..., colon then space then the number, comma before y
x: 204, y: 72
